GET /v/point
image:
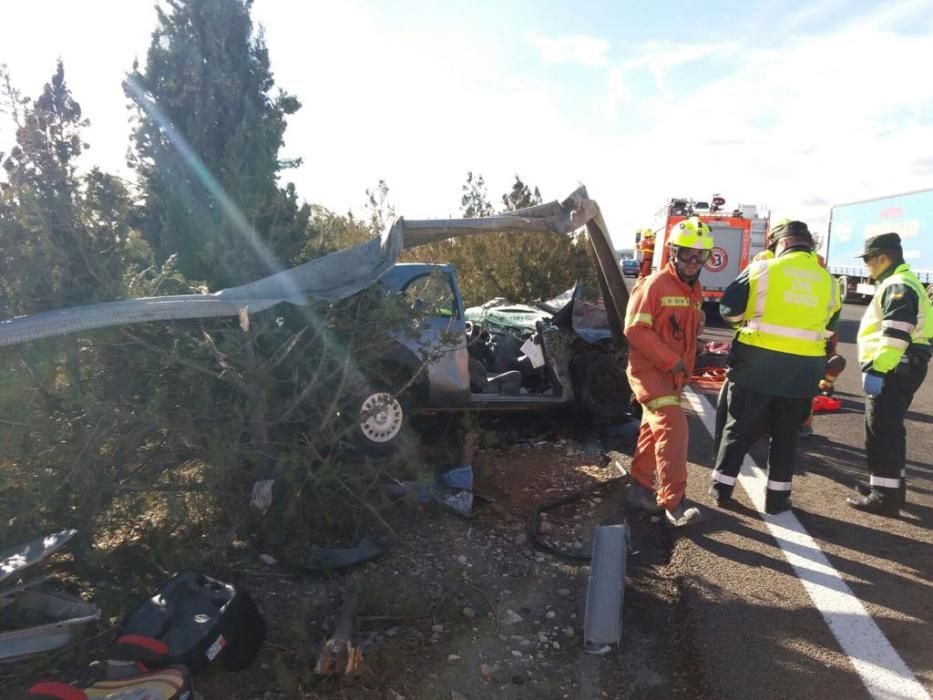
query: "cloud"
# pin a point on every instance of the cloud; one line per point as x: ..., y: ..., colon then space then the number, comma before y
x: 578, y: 49
x: 837, y: 108
x: 840, y: 112
x: 922, y: 166
x: 416, y: 108
x: 655, y: 59
x: 618, y: 93
x: 721, y: 143
x: 659, y: 58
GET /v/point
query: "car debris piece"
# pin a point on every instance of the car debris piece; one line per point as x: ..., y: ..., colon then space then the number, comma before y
x: 340, y: 656
x: 454, y: 488
x: 261, y: 496
x: 330, y: 558
x: 18, y: 557
x: 37, y: 621
x: 616, y: 464
x: 605, y: 589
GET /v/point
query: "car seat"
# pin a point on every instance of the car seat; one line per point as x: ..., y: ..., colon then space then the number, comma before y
x: 483, y: 382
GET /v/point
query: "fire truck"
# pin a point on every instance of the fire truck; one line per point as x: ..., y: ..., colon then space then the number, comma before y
x: 738, y: 234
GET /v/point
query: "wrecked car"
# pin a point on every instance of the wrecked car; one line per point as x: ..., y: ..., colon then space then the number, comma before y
x: 495, y: 357
x: 557, y: 365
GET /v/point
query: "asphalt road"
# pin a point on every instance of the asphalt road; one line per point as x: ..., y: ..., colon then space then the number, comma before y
x: 753, y: 583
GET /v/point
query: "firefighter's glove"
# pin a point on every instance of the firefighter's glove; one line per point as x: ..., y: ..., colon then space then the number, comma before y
x: 679, y: 368
x: 872, y: 384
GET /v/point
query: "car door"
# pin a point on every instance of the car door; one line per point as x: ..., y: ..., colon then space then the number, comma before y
x: 440, y: 338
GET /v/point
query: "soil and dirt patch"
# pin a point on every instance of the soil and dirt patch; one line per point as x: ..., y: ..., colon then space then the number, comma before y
x: 469, y: 608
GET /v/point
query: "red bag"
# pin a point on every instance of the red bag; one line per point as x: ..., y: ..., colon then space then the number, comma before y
x: 825, y: 404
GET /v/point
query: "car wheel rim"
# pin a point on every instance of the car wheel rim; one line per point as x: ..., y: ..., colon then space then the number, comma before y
x: 381, y: 417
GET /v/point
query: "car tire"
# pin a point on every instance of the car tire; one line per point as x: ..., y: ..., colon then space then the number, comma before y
x: 381, y: 418
x: 603, y: 390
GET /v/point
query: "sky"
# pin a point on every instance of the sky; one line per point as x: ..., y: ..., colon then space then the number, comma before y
x: 791, y: 105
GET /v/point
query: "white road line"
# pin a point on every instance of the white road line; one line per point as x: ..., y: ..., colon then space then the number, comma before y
x: 881, y: 669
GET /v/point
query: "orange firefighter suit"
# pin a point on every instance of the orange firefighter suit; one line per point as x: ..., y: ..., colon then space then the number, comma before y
x: 662, y: 324
x: 646, y: 247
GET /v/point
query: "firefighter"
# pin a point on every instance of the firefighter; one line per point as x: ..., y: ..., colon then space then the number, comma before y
x: 894, y: 347
x: 646, y: 249
x: 662, y: 324
x: 782, y: 308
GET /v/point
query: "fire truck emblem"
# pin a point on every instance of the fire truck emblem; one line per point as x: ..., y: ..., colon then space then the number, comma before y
x: 718, y: 259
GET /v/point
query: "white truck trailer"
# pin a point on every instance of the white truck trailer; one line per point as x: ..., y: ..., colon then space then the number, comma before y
x: 909, y: 214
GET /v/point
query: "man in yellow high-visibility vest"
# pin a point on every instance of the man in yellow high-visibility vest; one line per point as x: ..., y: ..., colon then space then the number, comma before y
x: 784, y: 309
x: 894, y: 348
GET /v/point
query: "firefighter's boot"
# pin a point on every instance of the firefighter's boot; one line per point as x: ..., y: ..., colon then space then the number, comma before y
x: 637, y: 496
x: 683, y: 514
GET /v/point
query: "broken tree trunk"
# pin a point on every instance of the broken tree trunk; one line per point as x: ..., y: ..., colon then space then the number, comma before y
x: 339, y: 656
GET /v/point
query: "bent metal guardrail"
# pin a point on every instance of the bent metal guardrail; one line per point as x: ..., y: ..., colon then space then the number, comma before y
x: 341, y: 274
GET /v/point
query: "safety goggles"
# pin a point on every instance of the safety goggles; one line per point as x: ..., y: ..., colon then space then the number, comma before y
x: 691, y: 256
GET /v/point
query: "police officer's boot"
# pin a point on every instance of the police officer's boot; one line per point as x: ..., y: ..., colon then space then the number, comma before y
x: 720, y: 493
x: 879, y: 501
x: 865, y: 489
x: 777, y: 502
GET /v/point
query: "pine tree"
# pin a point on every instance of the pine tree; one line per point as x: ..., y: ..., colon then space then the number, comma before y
x: 520, y: 196
x: 55, y: 251
x: 475, y: 200
x: 208, y: 135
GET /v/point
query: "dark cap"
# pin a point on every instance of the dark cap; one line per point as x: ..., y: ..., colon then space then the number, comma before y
x: 880, y: 244
x: 788, y: 229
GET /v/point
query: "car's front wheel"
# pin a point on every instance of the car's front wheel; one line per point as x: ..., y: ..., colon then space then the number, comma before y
x: 381, y: 417
x: 603, y: 390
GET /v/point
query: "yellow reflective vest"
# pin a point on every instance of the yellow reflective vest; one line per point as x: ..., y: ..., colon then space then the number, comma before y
x: 883, y: 341
x: 790, y: 302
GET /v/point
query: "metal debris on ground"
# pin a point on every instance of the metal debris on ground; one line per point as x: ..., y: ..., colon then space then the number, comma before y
x: 35, y: 622
x: 605, y: 589
x: 330, y: 558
